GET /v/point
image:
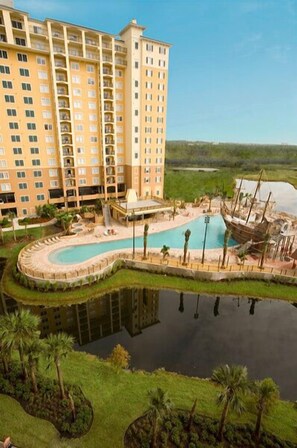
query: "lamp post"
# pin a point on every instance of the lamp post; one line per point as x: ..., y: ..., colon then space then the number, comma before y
x: 206, y: 221
x: 133, y: 252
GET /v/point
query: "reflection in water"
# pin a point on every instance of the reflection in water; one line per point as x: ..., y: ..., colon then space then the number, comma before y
x: 190, y: 338
x: 216, y: 307
x: 134, y: 309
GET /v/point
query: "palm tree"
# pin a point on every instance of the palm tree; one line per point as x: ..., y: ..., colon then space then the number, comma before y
x: 211, y: 195
x: 191, y: 417
x: 20, y: 328
x: 5, y: 350
x: 234, y: 381
x: 26, y: 222
x: 34, y: 350
x: 225, y: 249
x: 66, y: 221
x: 267, y: 393
x: 165, y: 251
x: 187, y: 237
x: 11, y: 216
x: 181, y: 308
x: 145, y: 233
x: 58, y: 347
x: 160, y: 405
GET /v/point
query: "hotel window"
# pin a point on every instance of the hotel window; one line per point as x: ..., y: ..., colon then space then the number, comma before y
x: 81, y: 161
x: 77, y: 104
x: 159, y: 119
x: 37, y: 173
x: 77, y: 92
x: 136, y: 83
x: 76, y: 79
x: 79, y: 127
x: 20, y: 41
x: 160, y: 97
x: 94, y: 150
x: 4, y: 69
x: 90, y: 68
x: 149, y: 60
x: 162, y: 50
x: 7, y: 84
x: 92, y: 105
x: 25, y: 199
x: 79, y: 139
x: 136, y: 45
x: 38, y: 184
x: 91, y: 94
x: 161, y: 75
x: 94, y: 161
x: 21, y: 174
x: 22, y: 57
x: 36, y: 162
x: 33, y: 138
x: 95, y: 170
x: 19, y: 163
x: 53, y: 173
x: 3, y: 54
x: 74, y: 66
x: 135, y: 139
x: 149, y: 47
x: 95, y: 180
x: 149, y: 85
x: 52, y: 162
x: 9, y: 98
x: 91, y: 81
x: 161, y: 87
x: 54, y: 183
x: 34, y: 150
x: 136, y: 95
x: 26, y: 86
x: 81, y: 171
x: 44, y: 88
x: 15, y: 138
x: 80, y: 150
x: 93, y: 128
x: 45, y: 101
x: 82, y: 181
x: 93, y: 139
x: 29, y: 113
x: 162, y: 63
x: 28, y: 100
x: 42, y: 75
x: 23, y: 186
x: 40, y: 197
x: 24, y: 72
x: 50, y: 151
x: 78, y: 116
x: 136, y: 112
x: 92, y: 117
x: 119, y: 73
x: 17, y: 151
x: 149, y: 96
x: 31, y: 126
x: 3, y: 163
x: 4, y: 175
x: 13, y: 125
x: 136, y: 65
x: 40, y: 61
x: 11, y: 112
x: 16, y: 24
x: 49, y: 139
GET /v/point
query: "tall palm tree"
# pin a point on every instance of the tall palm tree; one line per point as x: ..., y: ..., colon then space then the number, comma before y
x: 187, y: 237
x: 234, y: 380
x: 5, y: 350
x: 34, y: 350
x: 1, y: 234
x: 20, y: 328
x: 11, y: 216
x: 160, y: 405
x: 225, y: 248
x: 58, y: 347
x: 267, y: 393
x: 145, y: 234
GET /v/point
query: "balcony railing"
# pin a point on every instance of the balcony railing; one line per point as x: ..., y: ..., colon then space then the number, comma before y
x: 107, y: 46
x: 91, y: 42
x: 120, y: 61
x: 65, y: 117
x: 106, y: 71
x: 121, y: 49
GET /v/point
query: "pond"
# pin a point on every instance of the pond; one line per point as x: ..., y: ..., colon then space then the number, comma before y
x: 283, y: 193
x: 186, y: 333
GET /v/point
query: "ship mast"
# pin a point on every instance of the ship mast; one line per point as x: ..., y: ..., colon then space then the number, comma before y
x: 254, y: 197
x: 237, y: 197
x: 265, y: 208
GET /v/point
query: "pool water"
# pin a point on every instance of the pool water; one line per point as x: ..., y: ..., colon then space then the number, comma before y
x: 174, y: 238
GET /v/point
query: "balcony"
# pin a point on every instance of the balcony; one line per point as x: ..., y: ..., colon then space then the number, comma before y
x: 76, y: 53
x: 107, y: 59
x: 62, y: 92
x: 71, y: 193
x: 59, y: 50
x: 67, y: 152
x: 38, y: 30
x: 108, y: 108
x: 69, y: 173
x: 56, y: 193
x: 64, y: 117
x: 90, y: 55
x: 66, y: 129
x: 109, y: 130
x: 91, y: 41
x: 106, y: 46
x: 61, y: 78
x: 68, y: 163
x: 74, y: 38
x: 63, y: 104
x: 107, y: 84
x: 107, y: 72
x: 69, y: 183
x: 109, y: 141
x: 110, y: 161
x: 66, y: 141
x: 60, y: 65
x: 109, y: 152
x: 107, y: 96
x: 110, y: 180
x: 57, y: 35
x: 120, y: 49
x: 120, y: 61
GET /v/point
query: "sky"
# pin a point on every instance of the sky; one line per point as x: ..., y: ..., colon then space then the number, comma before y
x: 233, y: 63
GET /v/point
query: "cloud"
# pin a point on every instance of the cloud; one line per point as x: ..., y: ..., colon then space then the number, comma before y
x: 38, y: 7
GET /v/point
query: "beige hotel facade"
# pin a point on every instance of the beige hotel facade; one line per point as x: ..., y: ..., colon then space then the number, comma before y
x: 82, y: 113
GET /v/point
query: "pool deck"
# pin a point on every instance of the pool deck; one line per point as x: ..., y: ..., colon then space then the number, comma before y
x: 34, y: 259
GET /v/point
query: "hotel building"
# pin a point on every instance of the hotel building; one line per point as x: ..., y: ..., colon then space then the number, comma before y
x: 83, y: 113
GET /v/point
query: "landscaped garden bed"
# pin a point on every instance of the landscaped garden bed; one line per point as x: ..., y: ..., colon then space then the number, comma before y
x: 34, y: 220
x: 174, y: 432
x: 46, y: 403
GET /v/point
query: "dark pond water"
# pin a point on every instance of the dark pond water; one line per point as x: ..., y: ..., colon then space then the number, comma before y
x: 186, y: 333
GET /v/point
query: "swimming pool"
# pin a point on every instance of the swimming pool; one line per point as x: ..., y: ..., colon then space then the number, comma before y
x: 173, y: 238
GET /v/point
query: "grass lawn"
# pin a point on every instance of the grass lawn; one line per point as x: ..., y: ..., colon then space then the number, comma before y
x: 118, y: 399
